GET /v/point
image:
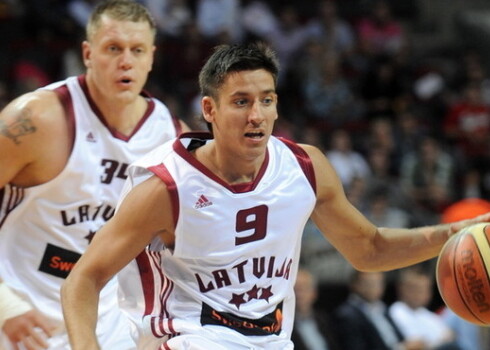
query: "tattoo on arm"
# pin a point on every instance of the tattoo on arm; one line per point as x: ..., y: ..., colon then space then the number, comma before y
x: 22, y: 126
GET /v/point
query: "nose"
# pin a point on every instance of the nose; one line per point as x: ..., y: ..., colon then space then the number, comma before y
x: 256, y: 116
x: 126, y: 59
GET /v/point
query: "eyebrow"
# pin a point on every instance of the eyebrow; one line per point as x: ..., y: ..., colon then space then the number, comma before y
x: 265, y: 92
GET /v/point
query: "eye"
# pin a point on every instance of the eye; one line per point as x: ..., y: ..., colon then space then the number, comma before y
x: 112, y: 48
x: 268, y: 100
x: 241, y: 102
x: 138, y: 50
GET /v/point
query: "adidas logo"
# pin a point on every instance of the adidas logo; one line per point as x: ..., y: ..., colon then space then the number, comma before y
x: 90, y: 137
x: 202, y: 202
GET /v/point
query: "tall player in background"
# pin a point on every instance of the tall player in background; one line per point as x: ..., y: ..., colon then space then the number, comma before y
x: 224, y: 213
x: 65, y: 152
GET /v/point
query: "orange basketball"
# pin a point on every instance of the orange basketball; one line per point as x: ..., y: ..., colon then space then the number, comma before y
x: 462, y: 273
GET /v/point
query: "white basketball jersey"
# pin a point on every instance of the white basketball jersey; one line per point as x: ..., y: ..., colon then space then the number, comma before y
x: 44, y: 229
x: 231, y: 273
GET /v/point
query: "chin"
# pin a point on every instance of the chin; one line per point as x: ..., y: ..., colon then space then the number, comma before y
x: 127, y: 96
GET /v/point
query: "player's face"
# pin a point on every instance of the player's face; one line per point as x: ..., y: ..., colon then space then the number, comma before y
x: 118, y: 58
x: 244, y: 115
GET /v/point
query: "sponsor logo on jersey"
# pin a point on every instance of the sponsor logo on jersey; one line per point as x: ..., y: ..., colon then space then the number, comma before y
x: 202, y: 202
x: 267, y: 325
x: 58, y: 261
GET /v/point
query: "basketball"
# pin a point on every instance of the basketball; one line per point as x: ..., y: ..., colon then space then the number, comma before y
x: 462, y: 273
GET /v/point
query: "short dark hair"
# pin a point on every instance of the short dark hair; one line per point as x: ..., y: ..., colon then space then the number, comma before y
x: 235, y: 58
x: 123, y: 10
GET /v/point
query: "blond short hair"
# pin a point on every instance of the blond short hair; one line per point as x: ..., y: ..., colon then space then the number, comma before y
x: 121, y: 10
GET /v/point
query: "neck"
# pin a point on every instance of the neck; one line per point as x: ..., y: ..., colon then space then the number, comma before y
x: 232, y: 169
x: 120, y: 116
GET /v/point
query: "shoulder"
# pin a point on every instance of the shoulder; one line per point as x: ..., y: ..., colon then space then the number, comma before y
x: 40, y: 106
x: 34, y: 132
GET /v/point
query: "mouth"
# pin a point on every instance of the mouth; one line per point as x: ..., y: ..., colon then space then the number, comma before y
x: 256, y: 135
x: 125, y: 81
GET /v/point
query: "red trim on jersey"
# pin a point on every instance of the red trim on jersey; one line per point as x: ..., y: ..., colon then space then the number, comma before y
x: 67, y: 102
x: 116, y: 134
x: 237, y: 188
x: 165, y: 347
x: 166, y: 285
x: 162, y: 172
x: 149, y: 266
x: 304, y: 161
x: 147, y: 280
x: 10, y: 198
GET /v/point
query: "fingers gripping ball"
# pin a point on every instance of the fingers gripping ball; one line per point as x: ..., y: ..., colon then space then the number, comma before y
x: 462, y: 273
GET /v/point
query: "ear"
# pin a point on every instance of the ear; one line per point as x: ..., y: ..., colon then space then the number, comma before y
x: 86, y: 52
x: 208, y: 108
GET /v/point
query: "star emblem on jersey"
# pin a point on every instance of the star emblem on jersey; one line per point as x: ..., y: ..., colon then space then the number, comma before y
x: 254, y: 293
x: 90, y: 236
x: 202, y: 202
x: 266, y: 293
x: 237, y: 300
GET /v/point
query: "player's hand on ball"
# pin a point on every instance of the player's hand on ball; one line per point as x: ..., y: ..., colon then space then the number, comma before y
x: 458, y: 226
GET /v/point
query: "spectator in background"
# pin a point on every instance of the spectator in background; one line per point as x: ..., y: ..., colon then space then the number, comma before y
x: 329, y: 100
x: 258, y: 19
x: 80, y: 10
x: 329, y: 268
x: 28, y: 76
x: 380, y: 33
x: 287, y: 38
x: 383, y: 174
x: 347, y: 162
x: 362, y: 321
x: 219, y: 20
x: 379, y: 136
x: 312, y: 328
x: 381, y: 88
x: 334, y: 33
x: 467, y: 126
x: 408, y: 132
x: 428, y: 178
x: 411, y: 313
x: 171, y: 16
x: 382, y: 212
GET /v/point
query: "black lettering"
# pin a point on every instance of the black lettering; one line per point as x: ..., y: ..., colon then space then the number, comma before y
x: 203, y: 288
x: 258, y: 266
x: 221, y: 277
x: 83, y: 212
x: 239, y: 268
x: 65, y: 220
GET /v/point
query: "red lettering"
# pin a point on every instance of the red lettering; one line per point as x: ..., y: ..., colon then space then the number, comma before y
x: 57, y: 263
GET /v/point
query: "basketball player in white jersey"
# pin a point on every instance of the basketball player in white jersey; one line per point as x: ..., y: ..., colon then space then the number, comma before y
x: 223, y: 215
x: 65, y: 153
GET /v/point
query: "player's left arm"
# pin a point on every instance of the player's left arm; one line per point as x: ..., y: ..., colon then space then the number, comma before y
x: 364, y: 245
x: 138, y: 220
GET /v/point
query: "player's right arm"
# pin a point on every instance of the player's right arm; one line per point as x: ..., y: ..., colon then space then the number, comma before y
x: 29, y: 128
x: 143, y: 214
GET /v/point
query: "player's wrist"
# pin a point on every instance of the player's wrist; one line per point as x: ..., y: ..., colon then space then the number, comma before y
x: 11, y: 305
